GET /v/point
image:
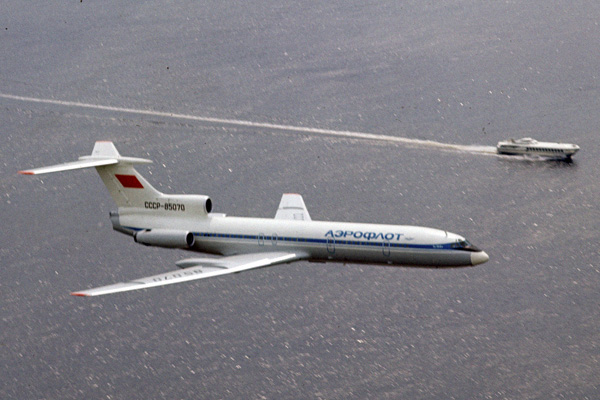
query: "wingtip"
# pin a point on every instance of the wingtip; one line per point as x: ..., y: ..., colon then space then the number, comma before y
x: 79, y: 294
x: 26, y: 173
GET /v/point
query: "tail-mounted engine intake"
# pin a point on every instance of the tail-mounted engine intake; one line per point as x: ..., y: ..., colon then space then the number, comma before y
x: 198, y: 203
x: 165, y: 238
x: 180, y: 204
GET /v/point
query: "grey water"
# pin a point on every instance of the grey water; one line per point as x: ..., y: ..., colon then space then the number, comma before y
x: 446, y: 79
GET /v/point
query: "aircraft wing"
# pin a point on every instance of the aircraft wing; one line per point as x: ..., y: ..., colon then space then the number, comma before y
x: 292, y: 206
x: 198, y: 268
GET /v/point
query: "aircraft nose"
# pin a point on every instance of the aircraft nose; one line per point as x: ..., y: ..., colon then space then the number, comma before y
x: 479, y: 257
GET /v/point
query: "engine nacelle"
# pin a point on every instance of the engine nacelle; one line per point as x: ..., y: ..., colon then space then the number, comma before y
x: 165, y: 238
x: 197, y: 203
x: 181, y: 204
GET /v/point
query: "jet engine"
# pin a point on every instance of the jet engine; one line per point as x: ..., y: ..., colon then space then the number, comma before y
x: 165, y: 238
x: 181, y: 204
x: 201, y: 204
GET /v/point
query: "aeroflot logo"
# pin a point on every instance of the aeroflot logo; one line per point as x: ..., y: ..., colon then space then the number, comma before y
x: 364, y: 235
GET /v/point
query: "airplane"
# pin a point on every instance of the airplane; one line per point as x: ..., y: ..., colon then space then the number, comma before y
x: 186, y: 221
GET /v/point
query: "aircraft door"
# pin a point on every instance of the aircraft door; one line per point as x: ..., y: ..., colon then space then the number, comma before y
x: 274, y: 239
x: 331, y: 245
x: 386, y: 248
x: 261, y: 239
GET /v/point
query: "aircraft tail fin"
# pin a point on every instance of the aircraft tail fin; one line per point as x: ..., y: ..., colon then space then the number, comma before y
x: 126, y: 186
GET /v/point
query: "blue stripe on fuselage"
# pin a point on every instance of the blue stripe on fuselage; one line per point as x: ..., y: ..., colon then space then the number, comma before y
x: 289, y: 239
x: 446, y: 246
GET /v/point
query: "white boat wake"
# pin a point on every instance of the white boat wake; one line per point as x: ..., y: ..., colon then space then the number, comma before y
x: 475, y: 149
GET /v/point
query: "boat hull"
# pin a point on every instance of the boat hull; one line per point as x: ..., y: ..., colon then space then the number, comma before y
x: 529, y: 146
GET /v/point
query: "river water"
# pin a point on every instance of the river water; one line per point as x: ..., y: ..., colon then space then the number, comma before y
x: 374, y: 112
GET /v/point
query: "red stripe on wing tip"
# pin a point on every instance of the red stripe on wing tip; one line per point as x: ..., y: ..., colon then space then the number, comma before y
x: 79, y: 294
x: 26, y: 173
x: 129, y: 181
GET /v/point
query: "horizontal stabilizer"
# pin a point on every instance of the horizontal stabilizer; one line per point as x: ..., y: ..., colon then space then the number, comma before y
x: 104, y: 153
x: 201, y: 269
x: 292, y: 206
x: 70, y: 165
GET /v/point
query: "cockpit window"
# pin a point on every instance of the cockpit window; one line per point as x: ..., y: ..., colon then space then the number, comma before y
x: 464, y: 245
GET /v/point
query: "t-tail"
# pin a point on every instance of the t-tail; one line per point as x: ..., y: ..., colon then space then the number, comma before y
x: 132, y: 193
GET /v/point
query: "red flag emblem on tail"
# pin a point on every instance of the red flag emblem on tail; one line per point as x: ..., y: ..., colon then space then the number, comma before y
x: 129, y: 181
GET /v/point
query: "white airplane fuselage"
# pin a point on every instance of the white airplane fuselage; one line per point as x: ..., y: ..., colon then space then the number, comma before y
x: 318, y: 240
